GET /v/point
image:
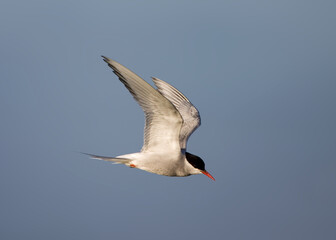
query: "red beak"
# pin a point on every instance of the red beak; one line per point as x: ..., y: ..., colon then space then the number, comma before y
x: 208, y: 175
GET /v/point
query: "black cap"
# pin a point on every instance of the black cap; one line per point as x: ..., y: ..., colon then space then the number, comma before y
x: 195, y: 161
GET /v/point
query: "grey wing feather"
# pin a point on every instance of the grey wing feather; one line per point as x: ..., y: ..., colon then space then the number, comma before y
x: 163, y: 121
x: 190, y: 115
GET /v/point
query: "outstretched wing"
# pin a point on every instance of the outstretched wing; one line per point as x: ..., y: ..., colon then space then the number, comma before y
x: 163, y: 121
x: 190, y: 115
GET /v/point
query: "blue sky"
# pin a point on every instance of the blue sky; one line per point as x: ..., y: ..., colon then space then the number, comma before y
x: 261, y: 73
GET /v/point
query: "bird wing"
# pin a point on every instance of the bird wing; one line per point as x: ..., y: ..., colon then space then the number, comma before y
x: 162, y: 120
x: 190, y: 115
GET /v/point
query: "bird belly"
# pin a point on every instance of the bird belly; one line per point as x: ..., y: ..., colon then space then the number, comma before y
x: 162, y: 164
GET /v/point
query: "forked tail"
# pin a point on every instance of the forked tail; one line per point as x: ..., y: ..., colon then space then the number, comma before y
x: 110, y: 159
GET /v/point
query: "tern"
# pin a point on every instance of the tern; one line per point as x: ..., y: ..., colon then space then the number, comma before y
x: 170, y: 119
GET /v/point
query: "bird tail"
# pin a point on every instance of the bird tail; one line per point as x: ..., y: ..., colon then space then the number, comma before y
x: 115, y: 160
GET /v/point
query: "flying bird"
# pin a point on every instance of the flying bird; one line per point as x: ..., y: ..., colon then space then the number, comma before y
x: 170, y: 119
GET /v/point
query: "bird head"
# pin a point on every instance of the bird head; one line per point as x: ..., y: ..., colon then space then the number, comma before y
x: 198, y: 163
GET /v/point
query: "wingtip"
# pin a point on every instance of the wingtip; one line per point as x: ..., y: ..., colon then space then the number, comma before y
x: 109, y: 61
x: 155, y: 80
x: 106, y: 59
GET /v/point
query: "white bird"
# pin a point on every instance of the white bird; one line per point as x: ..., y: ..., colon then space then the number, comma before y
x: 170, y: 120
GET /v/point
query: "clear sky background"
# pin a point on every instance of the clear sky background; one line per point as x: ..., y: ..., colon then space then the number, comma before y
x: 261, y: 73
